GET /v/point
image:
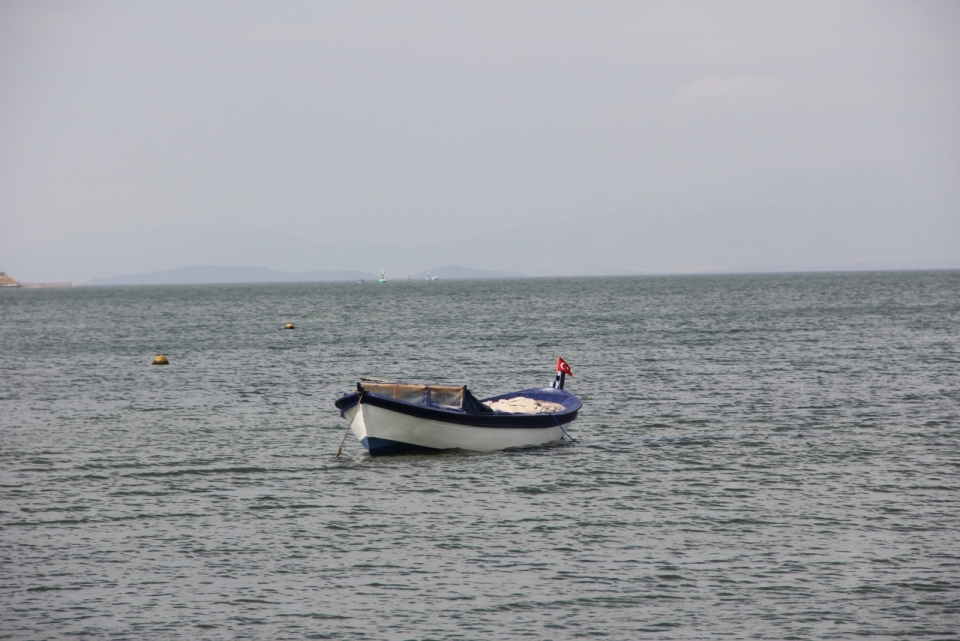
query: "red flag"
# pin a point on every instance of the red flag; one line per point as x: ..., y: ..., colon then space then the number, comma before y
x: 563, y: 367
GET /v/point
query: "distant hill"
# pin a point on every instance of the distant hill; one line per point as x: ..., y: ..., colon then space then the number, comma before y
x: 456, y: 272
x: 209, y: 274
x: 204, y: 274
x: 800, y: 222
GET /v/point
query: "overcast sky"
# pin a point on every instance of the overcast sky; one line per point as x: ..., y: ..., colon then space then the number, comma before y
x: 420, y: 121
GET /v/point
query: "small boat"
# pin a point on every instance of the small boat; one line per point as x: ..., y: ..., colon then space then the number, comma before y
x: 396, y: 418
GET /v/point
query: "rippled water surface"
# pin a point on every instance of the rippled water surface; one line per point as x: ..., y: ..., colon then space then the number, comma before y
x: 761, y: 456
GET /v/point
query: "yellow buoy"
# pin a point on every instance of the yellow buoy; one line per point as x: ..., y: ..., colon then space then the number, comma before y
x: 288, y: 326
x: 161, y: 360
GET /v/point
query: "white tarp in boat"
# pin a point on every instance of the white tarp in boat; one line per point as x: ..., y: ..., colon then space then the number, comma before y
x: 524, y: 405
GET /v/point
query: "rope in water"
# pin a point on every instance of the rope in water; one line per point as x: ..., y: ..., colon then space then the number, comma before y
x: 563, y: 430
x: 344, y: 440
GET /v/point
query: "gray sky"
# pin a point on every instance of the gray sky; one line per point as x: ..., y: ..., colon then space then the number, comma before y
x: 421, y: 122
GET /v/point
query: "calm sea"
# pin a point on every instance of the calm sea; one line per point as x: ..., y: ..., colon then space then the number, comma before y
x: 761, y: 456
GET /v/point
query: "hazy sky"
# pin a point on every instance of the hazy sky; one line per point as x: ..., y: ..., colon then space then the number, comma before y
x: 421, y: 121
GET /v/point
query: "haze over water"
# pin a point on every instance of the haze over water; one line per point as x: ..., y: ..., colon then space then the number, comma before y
x: 760, y: 456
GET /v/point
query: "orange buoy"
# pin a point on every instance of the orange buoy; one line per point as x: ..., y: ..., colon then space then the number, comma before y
x: 161, y: 360
x: 288, y: 326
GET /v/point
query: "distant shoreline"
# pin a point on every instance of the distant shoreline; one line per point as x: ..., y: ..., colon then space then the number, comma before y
x: 404, y: 280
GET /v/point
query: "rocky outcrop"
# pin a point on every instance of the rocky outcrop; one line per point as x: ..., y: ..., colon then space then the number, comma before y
x: 6, y: 281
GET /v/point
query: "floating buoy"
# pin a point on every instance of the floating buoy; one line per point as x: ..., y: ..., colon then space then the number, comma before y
x: 289, y: 326
x: 161, y: 360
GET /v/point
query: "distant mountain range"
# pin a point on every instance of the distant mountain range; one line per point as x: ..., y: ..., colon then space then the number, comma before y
x: 816, y: 221
x: 456, y: 272
x: 206, y: 274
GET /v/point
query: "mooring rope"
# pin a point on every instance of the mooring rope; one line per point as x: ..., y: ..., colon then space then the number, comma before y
x: 563, y: 430
x: 344, y: 439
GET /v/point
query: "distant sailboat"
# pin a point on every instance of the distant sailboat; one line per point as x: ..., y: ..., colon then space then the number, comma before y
x: 383, y: 277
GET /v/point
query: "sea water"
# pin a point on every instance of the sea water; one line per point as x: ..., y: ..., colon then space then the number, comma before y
x: 759, y: 456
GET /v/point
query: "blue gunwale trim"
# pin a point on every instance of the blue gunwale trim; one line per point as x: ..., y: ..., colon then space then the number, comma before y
x: 502, y: 420
x: 346, y: 402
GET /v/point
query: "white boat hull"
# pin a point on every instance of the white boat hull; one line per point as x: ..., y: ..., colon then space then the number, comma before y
x: 371, y: 424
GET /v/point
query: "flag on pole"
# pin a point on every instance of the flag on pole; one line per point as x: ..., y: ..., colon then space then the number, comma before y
x: 562, y: 370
